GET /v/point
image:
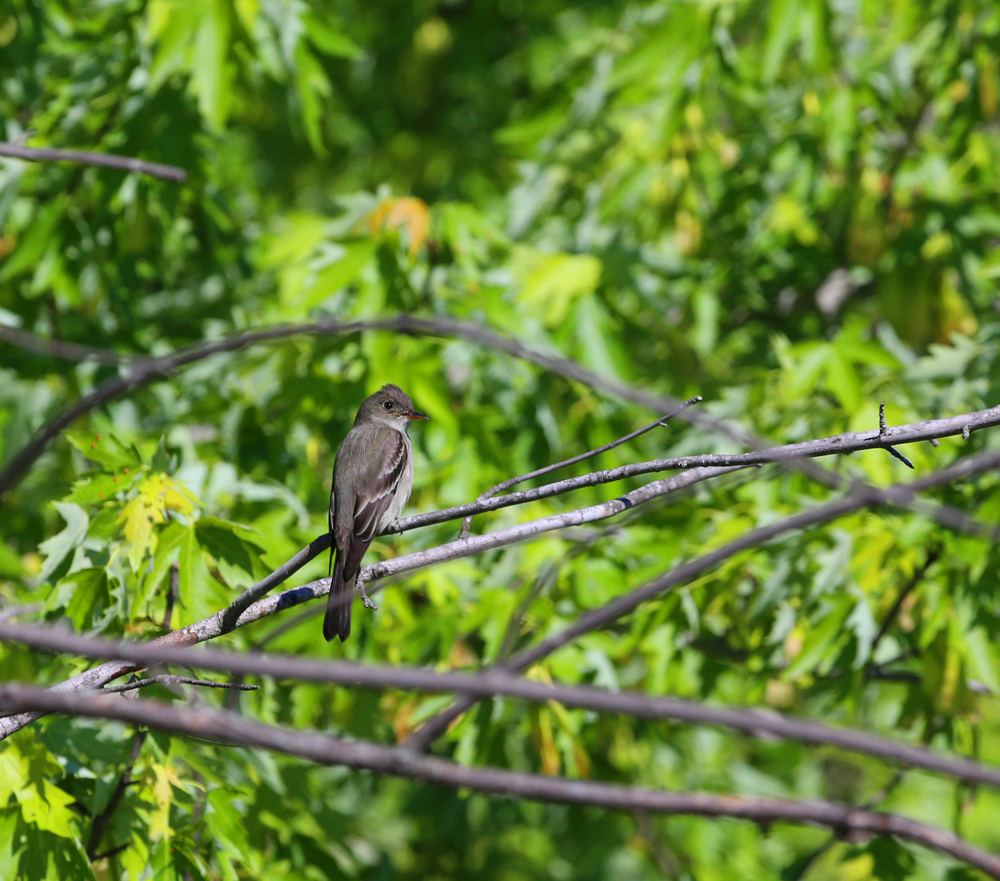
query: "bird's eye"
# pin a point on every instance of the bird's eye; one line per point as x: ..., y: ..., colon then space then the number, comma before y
x: 387, y: 405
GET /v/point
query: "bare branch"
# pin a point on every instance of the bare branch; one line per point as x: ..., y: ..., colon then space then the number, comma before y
x: 105, y: 160
x: 932, y: 557
x: 100, y: 822
x: 170, y: 679
x: 141, y: 372
x: 228, y: 727
x: 211, y: 627
x: 900, y: 494
x: 849, y: 442
x: 513, y: 481
x: 756, y: 723
x: 59, y: 349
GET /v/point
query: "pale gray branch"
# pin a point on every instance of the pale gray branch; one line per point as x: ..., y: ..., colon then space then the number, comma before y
x: 107, y: 160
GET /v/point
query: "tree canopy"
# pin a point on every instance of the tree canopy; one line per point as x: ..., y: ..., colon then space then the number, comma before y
x: 547, y: 222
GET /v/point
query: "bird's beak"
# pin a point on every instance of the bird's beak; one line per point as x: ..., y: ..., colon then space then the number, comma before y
x: 416, y: 416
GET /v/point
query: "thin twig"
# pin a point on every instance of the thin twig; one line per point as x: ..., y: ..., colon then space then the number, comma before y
x: 171, y: 679
x: 548, y: 469
x: 105, y: 160
x: 932, y: 557
x: 100, y: 823
x: 314, y: 746
x: 883, y: 431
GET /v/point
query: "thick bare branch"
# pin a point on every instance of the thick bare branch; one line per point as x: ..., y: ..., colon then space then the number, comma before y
x: 756, y: 723
x: 106, y: 160
x: 226, y: 727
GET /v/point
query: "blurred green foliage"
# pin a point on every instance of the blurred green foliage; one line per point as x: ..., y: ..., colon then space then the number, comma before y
x: 789, y: 207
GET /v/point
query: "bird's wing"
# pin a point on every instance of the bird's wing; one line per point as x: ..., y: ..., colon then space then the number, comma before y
x: 374, y: 501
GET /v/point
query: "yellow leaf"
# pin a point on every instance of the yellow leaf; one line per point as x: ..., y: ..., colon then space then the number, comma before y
x: 157, y: 493
x: 408, y: 213
x: 163, y: 791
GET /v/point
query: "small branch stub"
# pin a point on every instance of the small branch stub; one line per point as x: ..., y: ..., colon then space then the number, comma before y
x: 883, y: 431
x: 359, y: 586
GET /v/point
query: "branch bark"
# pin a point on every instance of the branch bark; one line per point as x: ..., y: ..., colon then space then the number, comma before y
x: 105, y: 160
x: 753, y: 722
x: 227, y: 727
x: 600, y: 617
x: 213, y: 626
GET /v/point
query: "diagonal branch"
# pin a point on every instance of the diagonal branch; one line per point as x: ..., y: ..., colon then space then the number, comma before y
x: 100, y: 822
x: 702, y: 468
x: 106, y: 160
x: 143, y: 370
x: 230, y: 728
x: 211, y: 627
x: 61, y: 349
x: 753, y: 722
x: 146, y: 370
x: 548, y: 469
x: 900, y: 494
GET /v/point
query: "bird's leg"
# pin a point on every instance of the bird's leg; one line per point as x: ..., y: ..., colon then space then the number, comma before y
x: 359, y: 586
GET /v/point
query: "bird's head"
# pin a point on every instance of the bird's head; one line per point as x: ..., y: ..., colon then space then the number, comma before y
x: 391, y: 406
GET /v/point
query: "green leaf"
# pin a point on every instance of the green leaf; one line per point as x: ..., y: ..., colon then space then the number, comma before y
x: 107, y: 450
x: 89, y: 597
x: 783, y: 19
x: 40, y: 236
x: 46, y: 806
x: 237, y: 560
x: 312, y: 87
x: 823, y: 639
x: 11, y: 565
x: 57, y: 547
x: 327, y: 38
x: 193, y: 579
x: 209, y: 77
x: 553, y: 281
x: 99, y: 487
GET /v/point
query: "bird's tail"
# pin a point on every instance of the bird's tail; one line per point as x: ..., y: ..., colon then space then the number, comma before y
x: 337, y: 621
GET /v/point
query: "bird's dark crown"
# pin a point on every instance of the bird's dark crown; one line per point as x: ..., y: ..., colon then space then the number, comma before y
x: 390, y: 400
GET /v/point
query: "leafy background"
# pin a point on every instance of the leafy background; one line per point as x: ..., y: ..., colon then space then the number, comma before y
x: 787, y: 207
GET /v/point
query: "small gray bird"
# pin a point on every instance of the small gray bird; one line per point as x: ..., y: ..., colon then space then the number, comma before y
x: 372, y: 480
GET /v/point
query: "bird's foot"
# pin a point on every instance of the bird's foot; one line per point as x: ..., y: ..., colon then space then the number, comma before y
x: 360, y: 588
